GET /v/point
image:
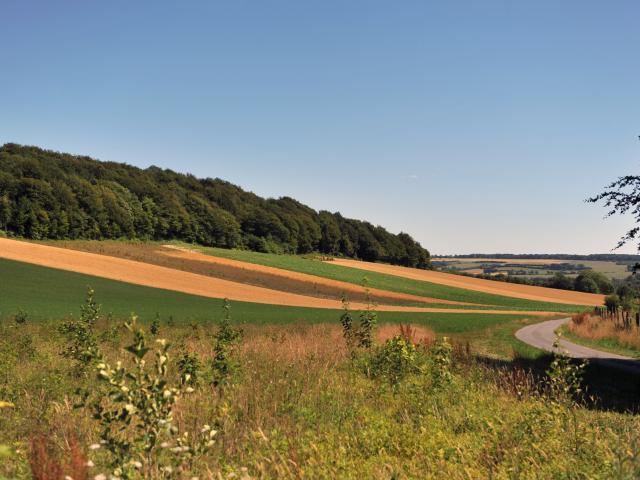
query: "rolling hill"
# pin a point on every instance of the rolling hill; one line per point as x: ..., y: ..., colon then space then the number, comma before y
x: 50, y: 195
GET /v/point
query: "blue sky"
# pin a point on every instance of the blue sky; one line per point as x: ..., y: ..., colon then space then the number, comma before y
x: 474, y: 126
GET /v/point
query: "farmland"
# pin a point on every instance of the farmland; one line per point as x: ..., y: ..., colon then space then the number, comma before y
x: 434, y: 292
x: 613, y: 268
x: 222, y: 228
x: 292, y: 336
x: 294, y: 367
x: 46, y: 294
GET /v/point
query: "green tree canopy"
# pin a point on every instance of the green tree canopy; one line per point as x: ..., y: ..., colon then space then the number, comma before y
x: 45, y: 194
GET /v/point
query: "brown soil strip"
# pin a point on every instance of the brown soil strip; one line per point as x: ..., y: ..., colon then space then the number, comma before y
x: 186, y: 282
x: 527, y: 292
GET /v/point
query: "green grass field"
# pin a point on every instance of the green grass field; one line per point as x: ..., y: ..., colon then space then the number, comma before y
x: 46, y: 293
x: 382, y: 281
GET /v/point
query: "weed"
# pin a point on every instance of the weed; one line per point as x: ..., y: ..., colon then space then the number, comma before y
x: 394, y: 360
x: 45, y: 465
x: 136, y: 417
x: 441, y: 362
x: 155, y: 325
x: 346, y: 319
x: 21, y: 317
x: 189, y: 368
x: 368, y: 320
x: 564, y: 377
x: 223, y: 365
x: 81, y: 340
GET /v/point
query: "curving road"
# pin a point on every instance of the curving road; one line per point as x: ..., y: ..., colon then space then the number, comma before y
x: 542, y: 335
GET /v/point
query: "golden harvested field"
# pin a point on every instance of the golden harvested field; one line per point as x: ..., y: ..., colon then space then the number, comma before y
x: 156, y: 276
x: 487, y: 286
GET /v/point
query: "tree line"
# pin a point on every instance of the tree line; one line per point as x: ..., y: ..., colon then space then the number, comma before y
x: 588, y: 281
x: 52, y: 195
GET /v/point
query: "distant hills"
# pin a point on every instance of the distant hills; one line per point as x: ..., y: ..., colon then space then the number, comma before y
x: 606, y: 257
x: 51, y: 195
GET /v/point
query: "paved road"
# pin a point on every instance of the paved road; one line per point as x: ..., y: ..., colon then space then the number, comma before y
x: 542, y: 335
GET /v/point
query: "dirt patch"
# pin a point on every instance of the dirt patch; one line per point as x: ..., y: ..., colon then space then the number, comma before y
x: 156, y: 276
x: 526, y: 292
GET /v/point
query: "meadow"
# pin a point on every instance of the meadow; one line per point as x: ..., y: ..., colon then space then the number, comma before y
x: 454, y: 395
x: 299, y: 404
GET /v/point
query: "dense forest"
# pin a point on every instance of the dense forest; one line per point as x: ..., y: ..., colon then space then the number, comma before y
x: 51, y: 195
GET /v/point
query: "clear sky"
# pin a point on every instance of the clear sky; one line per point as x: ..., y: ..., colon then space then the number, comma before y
x: 475, y: 126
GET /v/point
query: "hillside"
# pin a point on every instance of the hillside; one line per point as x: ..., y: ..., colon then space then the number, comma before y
x: 51, y: 195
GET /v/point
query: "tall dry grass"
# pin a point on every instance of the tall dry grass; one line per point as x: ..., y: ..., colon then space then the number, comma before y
x: 301, y: 407
x: 596, y: 328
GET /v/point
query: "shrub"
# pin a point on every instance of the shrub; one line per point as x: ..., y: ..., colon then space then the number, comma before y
x: 155, y: 325
x: 227, y: 338
x: 136, y: 414
x: 612, y: 302
x: 189, y: 367
x: 441, y: 362
x: 394, y: 360
x: 21, y: 317
x: 586, y: 284
x: 82, y: 343
x: 580, y: 318
x: 564, y: 377
x: 593, y: 282
x: 368, y: 320
x: 626, y: 291
x: 346, y: 319
x: 561, y: 281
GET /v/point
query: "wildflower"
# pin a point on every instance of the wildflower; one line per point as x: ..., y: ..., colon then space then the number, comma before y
x: 94, y: 446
